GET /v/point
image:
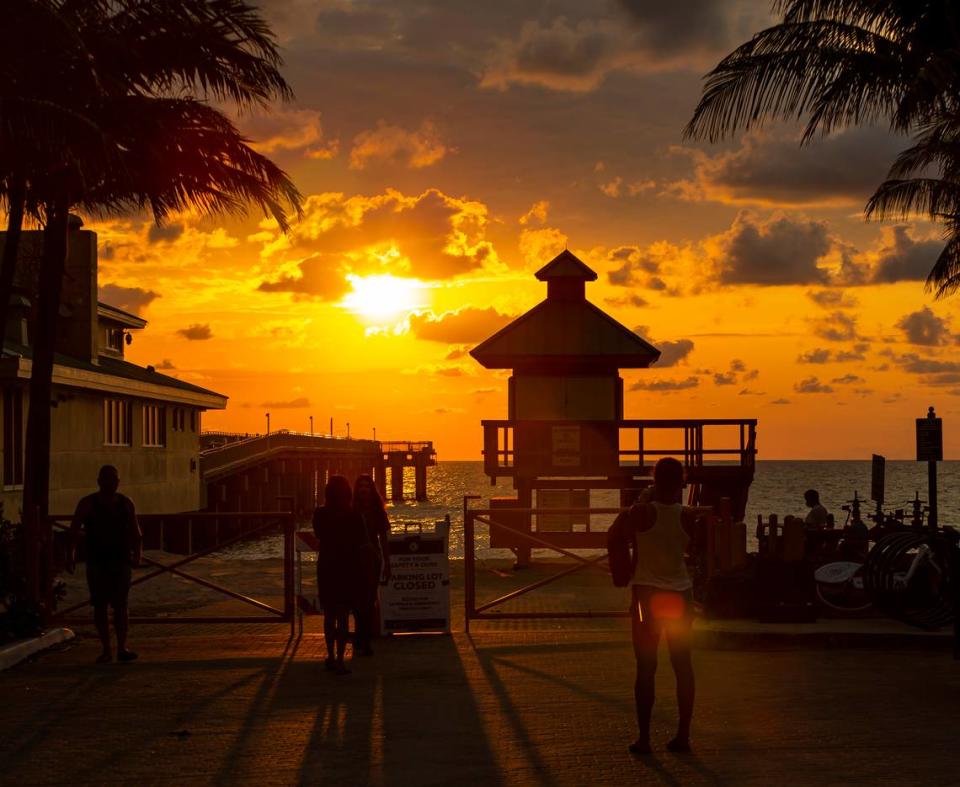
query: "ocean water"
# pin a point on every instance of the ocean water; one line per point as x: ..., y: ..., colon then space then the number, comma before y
x: 778, y: 488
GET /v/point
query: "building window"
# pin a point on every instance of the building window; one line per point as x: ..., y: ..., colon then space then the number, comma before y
x: 115, y: 339
x: 117, y: 421
x: 179, y: 420
x: 12, y: 437
x: 154, y: 425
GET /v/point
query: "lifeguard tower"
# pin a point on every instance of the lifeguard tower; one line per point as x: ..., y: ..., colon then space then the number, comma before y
x: 565, y: 433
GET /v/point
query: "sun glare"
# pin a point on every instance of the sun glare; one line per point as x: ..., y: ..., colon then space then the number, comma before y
x: 383, y: 298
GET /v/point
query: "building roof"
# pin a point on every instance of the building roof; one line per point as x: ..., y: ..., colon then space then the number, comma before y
x: 131, y: 371
x: 565, y: 331
x: 114, y: 314
x: 126, y: 378
x: 566, y: 265
x: 568, y: 333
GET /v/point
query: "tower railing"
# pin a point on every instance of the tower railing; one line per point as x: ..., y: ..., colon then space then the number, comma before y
x: 530, y: 447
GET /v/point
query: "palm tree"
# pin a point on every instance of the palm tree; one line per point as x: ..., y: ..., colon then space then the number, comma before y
x: 171, y: 155
x: 842, y: 63
x: 127, y: 142
x: 56, y: 54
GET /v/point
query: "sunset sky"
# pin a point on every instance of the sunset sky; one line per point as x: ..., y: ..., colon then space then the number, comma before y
x: 447, y: 149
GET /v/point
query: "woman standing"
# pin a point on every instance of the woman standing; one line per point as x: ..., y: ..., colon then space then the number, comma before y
x: 662, y: 599
x: 369, y: 505
x: 340, y: 555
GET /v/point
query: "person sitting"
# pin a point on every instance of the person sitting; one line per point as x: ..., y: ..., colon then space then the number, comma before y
x: 817, y: 516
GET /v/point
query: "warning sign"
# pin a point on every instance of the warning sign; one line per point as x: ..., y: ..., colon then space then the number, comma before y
x: 417, y: 595
x: 929, y: 439
x: 566, y: 446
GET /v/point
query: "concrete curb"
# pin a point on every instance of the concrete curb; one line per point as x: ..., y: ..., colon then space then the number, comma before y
x: 22, y: 649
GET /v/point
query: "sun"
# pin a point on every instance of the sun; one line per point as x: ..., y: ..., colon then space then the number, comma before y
x: 383, y: 298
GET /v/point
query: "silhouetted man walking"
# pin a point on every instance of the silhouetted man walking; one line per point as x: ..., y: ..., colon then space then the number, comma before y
x: 113, y: 545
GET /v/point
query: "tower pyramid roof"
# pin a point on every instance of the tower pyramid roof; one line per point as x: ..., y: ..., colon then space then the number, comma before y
x: 566, y: 265
x: 565, y: 332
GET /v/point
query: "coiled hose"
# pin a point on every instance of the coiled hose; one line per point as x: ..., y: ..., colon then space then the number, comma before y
x: 921, y: 597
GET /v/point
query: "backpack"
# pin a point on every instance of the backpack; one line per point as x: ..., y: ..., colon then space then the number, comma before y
x: 621, y: 550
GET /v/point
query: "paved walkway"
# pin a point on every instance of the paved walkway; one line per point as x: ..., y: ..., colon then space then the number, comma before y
x: 518, y: 707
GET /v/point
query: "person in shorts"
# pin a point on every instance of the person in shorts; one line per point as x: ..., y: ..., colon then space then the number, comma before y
x: 662, y: 599
x: 113, y: 544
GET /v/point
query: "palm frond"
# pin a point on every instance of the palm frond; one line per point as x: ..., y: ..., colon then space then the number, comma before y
x: 218, y: 48
x: 789, y: 70
x: 181, y: 154
x: 935, y: 198
x: 944, y: 278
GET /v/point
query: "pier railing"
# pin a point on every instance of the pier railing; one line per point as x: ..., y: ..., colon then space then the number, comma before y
x: 407, y: 447
x: 252, y: 449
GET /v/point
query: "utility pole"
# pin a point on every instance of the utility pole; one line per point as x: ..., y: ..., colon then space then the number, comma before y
x: 268, y: 423
x: 331, y: 426
x: 311, y: 426
x: 348, y: 430
x: 374, y: 434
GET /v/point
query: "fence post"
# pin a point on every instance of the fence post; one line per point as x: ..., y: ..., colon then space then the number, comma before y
x: 468, y: 568
x: 31, y: 546
x: 47, y: 567
x: 289, y: 527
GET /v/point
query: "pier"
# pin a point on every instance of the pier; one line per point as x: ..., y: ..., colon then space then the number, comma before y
x: 399, y: 455
x: 288, y: 469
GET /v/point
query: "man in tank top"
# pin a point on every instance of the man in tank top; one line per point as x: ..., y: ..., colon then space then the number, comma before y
x: 112, y: 545
x: 662, y: 600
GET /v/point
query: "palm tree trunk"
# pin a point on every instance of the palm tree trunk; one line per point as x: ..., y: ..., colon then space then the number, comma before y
x: 11, y: 247
x: 36, y: 481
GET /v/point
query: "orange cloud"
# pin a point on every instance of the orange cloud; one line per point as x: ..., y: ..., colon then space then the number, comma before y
x: 771, y: 169
x: 392, y: 144
x: 466, y: 326
x: 430, y: 236
x: 538, y: 213
x: 289, y: 129
x: 540, y: 246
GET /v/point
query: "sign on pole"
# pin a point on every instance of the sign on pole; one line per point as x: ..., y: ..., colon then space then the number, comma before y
x: 417, y: 596
x: 878, y: 478
x: 930, y: 438
x: 930, y: 450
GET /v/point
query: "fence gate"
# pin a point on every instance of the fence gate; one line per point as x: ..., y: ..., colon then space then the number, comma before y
x: 182, y: 533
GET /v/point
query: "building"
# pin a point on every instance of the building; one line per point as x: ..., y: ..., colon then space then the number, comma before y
x: 566, y: 433
x: 106, y: 410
